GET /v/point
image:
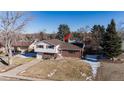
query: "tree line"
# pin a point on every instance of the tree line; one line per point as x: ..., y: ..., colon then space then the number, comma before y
x: 108, y: 39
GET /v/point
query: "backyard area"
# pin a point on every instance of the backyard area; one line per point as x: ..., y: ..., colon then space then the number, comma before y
x: 66, y: 69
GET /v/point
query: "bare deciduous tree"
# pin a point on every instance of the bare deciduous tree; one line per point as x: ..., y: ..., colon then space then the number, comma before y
x: 11, y: 24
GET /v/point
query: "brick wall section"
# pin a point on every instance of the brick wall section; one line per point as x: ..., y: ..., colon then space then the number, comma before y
x: 50, y: 55
x: 71, y: 53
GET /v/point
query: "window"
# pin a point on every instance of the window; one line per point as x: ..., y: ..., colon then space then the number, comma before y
x: 40, y: 46
x: 51, y: 46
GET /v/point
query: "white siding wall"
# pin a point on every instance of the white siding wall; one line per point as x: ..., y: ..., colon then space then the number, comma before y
x: 39, y: 55
x: 45, y: 49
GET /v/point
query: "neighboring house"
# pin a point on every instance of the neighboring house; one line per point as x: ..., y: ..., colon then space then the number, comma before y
x: 91, y: 47
x: 56, y: 48
x: 77, y: 43
x: 21, y: 46
x: 32, y: 45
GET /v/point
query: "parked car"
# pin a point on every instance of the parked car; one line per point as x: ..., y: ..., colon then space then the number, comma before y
x: 30, y: 54
x: 93, y: 58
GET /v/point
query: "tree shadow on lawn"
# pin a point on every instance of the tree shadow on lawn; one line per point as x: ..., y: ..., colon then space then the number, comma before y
x: 4, y: 62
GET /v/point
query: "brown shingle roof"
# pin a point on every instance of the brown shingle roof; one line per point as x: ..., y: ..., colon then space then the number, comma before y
x: 22, y: 44
x: 18, y: 44
x: 63, y: 45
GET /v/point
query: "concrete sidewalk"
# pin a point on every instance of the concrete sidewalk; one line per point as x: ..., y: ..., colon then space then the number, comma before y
x: 13, y: 73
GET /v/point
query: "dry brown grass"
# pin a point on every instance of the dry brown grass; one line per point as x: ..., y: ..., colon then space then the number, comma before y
x: 110, y: 72
x: 19, y: 60
x: 66, y: 69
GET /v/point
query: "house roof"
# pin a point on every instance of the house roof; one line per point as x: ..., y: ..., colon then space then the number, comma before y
x: 63, y: 45
x: 18, y: 44
x: 22, y: 44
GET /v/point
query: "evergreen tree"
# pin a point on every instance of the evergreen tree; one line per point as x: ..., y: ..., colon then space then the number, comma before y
x: 63, y: 30
x: 77, y: 35
x: 112, y: 42
x: 97, y: 34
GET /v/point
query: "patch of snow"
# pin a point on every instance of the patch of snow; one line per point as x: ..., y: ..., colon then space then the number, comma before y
x: 3, y: 70
x: 89, y: 78
x: 83, y: 74
x: 52, y: 73
x: 94, y: 66
x: 23, y: 71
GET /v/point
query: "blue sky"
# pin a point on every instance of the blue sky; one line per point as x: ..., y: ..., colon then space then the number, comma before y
x: 50, y: 20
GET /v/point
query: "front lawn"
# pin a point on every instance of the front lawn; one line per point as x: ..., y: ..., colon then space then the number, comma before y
x: 19, y: 60
x: 64, y: 69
